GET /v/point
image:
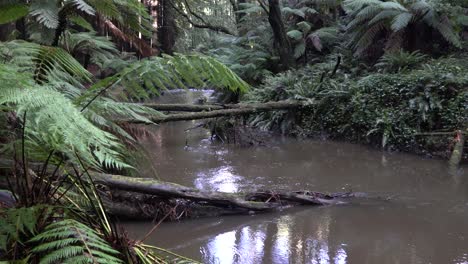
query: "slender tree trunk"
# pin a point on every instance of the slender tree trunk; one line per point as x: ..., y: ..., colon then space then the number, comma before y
x: 282, y: 43
x: 166, y: 27
x: 236, y: 7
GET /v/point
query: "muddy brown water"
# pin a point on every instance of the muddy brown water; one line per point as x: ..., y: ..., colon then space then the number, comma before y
x: 424, y: 221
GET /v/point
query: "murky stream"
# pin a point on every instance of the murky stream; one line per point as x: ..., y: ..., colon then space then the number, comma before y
x: 425, y: 221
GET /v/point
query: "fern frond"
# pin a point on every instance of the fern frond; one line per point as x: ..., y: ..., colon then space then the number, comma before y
x: 42, y: 60
x: 447, y: 31
x: 368, y: 37
x: 81, y: 5
x: 401, y: 21
x: 45, y: 12
x: 100, y: 49
x: 54, y: 122
x: 69, y: 241
x: 385, y: 14
x: 153, y: 75
x: 16, y: 222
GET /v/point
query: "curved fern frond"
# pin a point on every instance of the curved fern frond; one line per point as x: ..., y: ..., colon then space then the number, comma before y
x: 42, y: 60
x: 69, y: 241
x: 369, y: 17
x: 100, y: 49
x: 54, y: 122
x: 81, y: 5
x: 401, y: 21
x: 153, y: 75
x: 45, y: 12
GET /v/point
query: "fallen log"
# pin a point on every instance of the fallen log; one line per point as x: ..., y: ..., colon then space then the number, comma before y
x: 147, y: 198
x: 185, y: 107
x: 232, y: 110
x: 214, y: 203
x: 212, y: 107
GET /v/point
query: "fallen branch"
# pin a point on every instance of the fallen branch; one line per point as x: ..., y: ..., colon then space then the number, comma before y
x: 232, y: 110
x: 258, y: 201
x: 147, y: 198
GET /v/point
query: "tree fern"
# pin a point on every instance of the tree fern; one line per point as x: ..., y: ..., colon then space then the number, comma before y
x: 49, y: 14
x: 101, y: 50
x: 371, y: 17
x: 69, y: 241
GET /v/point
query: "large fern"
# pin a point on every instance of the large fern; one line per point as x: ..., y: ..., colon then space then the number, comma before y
x: 69, y: 241
x: 47, y: 16
x: 53, y: 122
x: 101, y: 50
x: 372, y: 18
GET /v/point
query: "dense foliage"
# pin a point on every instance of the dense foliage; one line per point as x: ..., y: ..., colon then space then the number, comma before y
x: 390, y: 73
x: 391, y: 109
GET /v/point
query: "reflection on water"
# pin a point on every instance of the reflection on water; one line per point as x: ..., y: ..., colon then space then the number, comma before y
x: 219, y: 179
x: 425, y: 222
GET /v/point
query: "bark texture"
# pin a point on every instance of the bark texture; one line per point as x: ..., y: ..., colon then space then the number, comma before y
x: 282, y: 43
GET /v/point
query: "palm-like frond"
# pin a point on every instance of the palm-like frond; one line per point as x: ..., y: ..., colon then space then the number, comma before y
x: 42, y: 60
x: 100, y: 49
x: 150, y: 76
x: 45, y: 12
x: 69, y: 241
x: 370, y: 17
x: 131, y: 14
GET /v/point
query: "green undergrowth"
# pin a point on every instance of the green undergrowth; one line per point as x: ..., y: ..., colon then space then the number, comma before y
x: 392, y: 109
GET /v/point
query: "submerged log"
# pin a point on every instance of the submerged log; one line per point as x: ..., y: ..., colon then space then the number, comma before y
x: 212, y: 111
x: 205, y: 202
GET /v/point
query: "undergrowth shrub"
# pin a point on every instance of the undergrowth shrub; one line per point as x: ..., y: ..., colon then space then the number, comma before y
x: 386, y: 109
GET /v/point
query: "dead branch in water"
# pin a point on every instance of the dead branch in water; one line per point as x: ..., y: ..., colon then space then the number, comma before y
x: 225, y: 203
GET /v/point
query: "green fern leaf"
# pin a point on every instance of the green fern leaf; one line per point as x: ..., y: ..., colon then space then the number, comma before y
x: 69, y: 241
x: 45, y: 12
x: 299, y: 50
x: 295, y: 34
x: 401, y: 21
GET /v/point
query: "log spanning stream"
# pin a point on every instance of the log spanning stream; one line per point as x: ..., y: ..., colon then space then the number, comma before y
x: 425, y: 219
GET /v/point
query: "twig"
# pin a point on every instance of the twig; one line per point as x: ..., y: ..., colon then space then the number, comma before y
x: 159, y: 223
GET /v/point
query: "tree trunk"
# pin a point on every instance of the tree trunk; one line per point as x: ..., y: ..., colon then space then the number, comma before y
x: 281, y: 40
x: 167, y: 30
x: 236, y: 7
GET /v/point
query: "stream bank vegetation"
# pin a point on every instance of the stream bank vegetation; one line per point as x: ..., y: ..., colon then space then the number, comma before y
x: 71, y: 73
